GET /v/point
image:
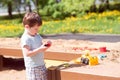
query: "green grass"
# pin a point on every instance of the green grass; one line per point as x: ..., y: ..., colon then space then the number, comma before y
x: 82, y: 26
x: 91, y: 23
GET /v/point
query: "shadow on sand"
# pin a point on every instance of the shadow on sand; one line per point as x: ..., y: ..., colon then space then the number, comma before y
x: 13, y: 63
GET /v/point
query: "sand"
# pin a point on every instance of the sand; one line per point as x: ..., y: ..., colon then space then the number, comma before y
x: 63, y: 45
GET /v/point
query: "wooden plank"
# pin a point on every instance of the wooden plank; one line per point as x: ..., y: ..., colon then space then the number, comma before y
x: 53, y: 73
x: 57, y: 74
x: 11, y: 52
x: 65, y: 75
x: 61, y: 56
x: 1, y: 62
x: 48, y: 54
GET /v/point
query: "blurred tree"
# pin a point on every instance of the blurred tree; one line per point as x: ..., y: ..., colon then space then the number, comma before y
x: 11, y: 4
x: 40, y: 4
x: 116, y: 1
x: 27, y: 2
x: 104, y: 5
x: 59, y: 8
x: 36, y: 2
x: 8, y: 3
x: 58, y: 1
x: 17, y: 5
x: 65, y: 8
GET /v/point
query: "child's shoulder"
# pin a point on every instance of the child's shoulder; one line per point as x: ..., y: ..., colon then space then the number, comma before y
x: 25, y: 37
x: 38, y: 35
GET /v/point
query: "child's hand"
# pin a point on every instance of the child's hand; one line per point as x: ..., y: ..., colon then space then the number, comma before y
x: 43, y: 48
x: 48, y: 44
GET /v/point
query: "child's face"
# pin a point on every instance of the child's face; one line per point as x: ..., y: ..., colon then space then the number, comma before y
x: 33, y: 30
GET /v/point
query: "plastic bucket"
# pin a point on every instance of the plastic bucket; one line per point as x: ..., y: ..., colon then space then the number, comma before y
x: 102, y: 49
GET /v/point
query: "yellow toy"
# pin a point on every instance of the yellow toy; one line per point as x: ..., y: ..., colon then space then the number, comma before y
x: 86, y: 59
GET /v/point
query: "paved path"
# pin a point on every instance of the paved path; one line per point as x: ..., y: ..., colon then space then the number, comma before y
x: 90, y: 37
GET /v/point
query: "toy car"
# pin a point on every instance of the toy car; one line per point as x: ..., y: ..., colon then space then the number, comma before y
x: 89, y: 60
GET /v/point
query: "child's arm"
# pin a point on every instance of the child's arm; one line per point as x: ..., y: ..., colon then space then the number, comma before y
x: 28, y: 52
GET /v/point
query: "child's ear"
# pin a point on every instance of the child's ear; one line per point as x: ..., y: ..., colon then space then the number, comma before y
x: 26, y: 26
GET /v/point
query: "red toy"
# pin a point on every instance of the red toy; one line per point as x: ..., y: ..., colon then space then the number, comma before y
x: 48, y: 44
